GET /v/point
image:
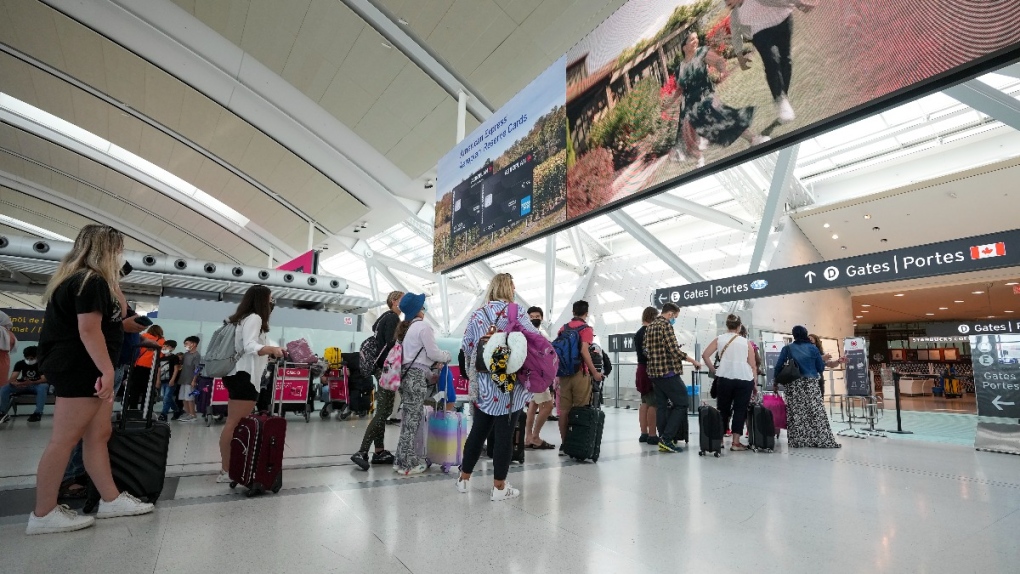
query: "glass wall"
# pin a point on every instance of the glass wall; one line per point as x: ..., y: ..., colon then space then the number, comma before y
x: 318, y: 339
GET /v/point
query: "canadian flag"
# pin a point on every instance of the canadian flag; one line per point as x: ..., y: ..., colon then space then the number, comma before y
x: 990, y: 250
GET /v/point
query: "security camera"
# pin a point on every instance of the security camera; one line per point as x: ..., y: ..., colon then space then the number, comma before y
x: 430, y: 183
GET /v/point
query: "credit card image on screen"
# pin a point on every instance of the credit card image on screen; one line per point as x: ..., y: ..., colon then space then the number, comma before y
x: 467, y: 207
x: 507, y: 195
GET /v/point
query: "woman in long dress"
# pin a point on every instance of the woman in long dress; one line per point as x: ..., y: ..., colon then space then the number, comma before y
x: 807, y: 424
x: 711, y: 119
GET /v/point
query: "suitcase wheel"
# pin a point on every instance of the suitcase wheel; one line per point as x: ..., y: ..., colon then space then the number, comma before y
x: 445, y: 468
x: 701, y: 453
x: 255, y: 489
x: 718, y: 454
x: 324, y: 413
x: 278, y: 484
x: 344, y: 414
x: 233, y: 484
x: 208, y: 420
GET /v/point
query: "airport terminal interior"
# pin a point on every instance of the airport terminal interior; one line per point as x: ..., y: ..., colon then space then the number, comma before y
x: 848, y: 170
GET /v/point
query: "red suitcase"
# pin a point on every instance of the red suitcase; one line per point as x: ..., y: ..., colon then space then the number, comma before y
x: 256, y: 452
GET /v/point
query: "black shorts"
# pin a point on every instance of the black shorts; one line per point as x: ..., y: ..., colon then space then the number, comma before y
x: 74, y: 384
x: 239, y: 387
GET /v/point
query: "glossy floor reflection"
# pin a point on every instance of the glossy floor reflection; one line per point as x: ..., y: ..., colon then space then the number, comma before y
x: 876, y: 505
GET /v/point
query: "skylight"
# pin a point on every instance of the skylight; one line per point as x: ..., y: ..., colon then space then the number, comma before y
x: 67, y: 129
x: 33, y: 229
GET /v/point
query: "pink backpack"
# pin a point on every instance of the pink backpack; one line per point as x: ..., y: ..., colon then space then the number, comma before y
x: 541, y: 363
x: 393, y: 367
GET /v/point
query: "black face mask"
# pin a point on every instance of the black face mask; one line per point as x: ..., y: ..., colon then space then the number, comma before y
x: 126, y: 269
x: 536, y: 322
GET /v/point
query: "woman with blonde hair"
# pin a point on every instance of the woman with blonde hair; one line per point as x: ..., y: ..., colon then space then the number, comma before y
x: 498, y: 404
x: 81, y: 336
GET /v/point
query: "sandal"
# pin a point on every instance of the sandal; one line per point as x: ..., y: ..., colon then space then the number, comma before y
x: 72, y: 491
x: 542, y: 446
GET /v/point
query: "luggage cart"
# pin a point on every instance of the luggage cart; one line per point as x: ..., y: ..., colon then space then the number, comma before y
x: 291, y: 388
x: 335, y: 394
x: 217, y: 398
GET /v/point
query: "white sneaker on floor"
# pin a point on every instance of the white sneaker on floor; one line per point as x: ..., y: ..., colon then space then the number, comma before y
x: 223, y: 478
x: 784, y: 110
x: 507, y: 493
x: 462, y: 485
x: 759, y: 140
x: 123, y: 505
x: 421, y: 468
x: 60, y: 519
x: 187, y: 419
x: 4, y: 418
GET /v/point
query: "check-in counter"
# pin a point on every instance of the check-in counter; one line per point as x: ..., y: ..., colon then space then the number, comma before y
x: 916, y: 384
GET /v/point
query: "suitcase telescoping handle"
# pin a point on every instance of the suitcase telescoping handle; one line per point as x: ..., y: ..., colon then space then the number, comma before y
x: 281, y: 364
x: 148, y: 407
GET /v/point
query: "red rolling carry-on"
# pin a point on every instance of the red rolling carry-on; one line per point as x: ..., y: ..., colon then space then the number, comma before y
x: 256, y: 450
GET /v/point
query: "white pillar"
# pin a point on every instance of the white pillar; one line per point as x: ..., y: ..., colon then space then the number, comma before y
x: 462, y: 100
x: 311, y: 235
x: 270, y: 264
x: 550, y: 277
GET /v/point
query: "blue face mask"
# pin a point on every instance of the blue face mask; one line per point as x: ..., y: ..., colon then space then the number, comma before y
x: 672, y: 321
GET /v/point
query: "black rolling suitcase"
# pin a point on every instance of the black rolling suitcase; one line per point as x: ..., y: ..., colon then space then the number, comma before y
x: 711, y: 430
x: 684, y: 432
x: 761, y: 429
x: 584, y: 430
x: 518, y: 439
x: 138, y: 452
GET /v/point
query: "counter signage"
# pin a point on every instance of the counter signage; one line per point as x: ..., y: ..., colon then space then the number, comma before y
x: 292, y: 386
x: 996, y: 360
x: 771, y: 351
x: 992, y: 251
x: 623, y: 343
x: 27, y: 323
x: 857, y: 381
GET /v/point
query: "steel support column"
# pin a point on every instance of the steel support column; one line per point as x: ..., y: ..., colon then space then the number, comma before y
x: 655, y: 246
x: 550, y: 278
x: 785, y: 164
x: 987, y: 100
x: 688, y: 207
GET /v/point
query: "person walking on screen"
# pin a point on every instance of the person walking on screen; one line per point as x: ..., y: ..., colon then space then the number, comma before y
x: 769, y: 24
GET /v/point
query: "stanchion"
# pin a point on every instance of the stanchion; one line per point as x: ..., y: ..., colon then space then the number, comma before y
x: 899, y: 418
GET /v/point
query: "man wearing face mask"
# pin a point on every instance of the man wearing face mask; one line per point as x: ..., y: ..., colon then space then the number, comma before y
x: 665, y: 365
x: 541, y: 404
x: 25, y: 378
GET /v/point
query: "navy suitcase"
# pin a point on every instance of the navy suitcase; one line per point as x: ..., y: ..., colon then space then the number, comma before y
x: 711, y: 430
x: 761, y: 429
x: 138, y: 451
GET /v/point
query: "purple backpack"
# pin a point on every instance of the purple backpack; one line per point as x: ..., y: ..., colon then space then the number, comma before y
x: 539, y: 368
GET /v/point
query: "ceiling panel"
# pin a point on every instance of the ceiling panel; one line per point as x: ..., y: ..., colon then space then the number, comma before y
x: 346, y: 100
x: 271, y: 28
x: 413, y: 95
x: 469, y: 31
x: 82, y: 51
x: 33, y: 30
x: 225, y: 16
x: 327, y: 35
x: 422, y: 16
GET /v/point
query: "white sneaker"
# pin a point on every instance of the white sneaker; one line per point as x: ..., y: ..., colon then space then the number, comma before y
x: 784, y: 110
x: 759, y: 140
x: 187, y: 419
x: 5, y: 418
x: 123, y: 505
x: 462, y: 485
x: 223, y: 478
x: 421, y: 468
x: 60, y: 519
x: 507, y: 493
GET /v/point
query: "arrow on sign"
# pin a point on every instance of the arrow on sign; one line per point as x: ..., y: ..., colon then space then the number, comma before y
x: 997, y: 402
x: 810, y: 276
x: 662, y: 298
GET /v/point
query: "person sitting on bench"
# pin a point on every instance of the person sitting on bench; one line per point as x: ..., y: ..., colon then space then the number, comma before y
x: 26, y: 378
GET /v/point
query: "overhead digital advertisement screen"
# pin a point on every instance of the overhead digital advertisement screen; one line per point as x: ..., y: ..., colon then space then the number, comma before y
x: 665, y: 91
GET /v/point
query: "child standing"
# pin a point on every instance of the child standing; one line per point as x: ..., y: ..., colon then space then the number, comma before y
x: 169, y: 367
x: 186, y: 380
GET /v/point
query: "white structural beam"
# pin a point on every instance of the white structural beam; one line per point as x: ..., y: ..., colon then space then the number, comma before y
x: 575, y: 244
x: 580, y: 292
x: 75, y: 205
x: 251, y: 233
x: 987, y: 100
x: 419, y: 53
x: 785, y: 164
x: 688, y: 207
x: 420, y: 273
x: 183, y: 46
x: 659, y: 249
x: 461, y: 324
x: 402, y: 285
x: 597, y: 247
x: 532, y: 255
x: 444, y: 300
x: 550, y: 278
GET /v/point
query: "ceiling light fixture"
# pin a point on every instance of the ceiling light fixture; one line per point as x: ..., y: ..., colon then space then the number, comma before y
x: 864, y: 310
x: 943, y: 308
x: 930, y: 314
x: 387, y: 45
x: 1009, y: 311
x: 1012, y: 283
x: 843, y: 248
x: 957, y: 301
x: 867, y: 217
x: 834, y: 236
x: 898, y: 295
x: 885, y: 241
x: 991, y: 316
x: 865, y: 305
x: 826, y: 226
x: 977, y: 293
x: 860, y: 316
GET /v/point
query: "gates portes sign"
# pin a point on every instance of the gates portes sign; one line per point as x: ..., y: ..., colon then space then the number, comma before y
x: 623, y: 343
x: 858, y: 383
x: 973, y: 328
x: 992, y: 251
x: 996, y: 360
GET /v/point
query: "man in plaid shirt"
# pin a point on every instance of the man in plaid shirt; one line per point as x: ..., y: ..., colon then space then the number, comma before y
x: 665, y: 365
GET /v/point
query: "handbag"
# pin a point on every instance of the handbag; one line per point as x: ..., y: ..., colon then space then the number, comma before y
x: 775, y: 403
x: 789, y: 373
x: 713, y: 391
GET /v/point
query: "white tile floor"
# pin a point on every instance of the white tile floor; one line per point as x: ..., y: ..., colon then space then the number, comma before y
x: 877, y: 505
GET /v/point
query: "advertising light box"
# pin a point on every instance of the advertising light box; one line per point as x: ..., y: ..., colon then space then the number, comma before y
x: 666, y: 91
